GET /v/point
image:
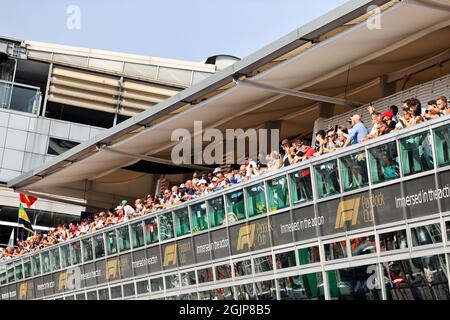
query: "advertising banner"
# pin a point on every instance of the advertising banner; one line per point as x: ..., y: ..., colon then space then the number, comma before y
x: 202, y: 248
x: 154, y: 259
x: 126, y: 270
x: 282, y: 232
x: 169, y: 258
x: 444, y: 186
x: 140, y: 263
x: 185, y: 252
x: 304, y: 223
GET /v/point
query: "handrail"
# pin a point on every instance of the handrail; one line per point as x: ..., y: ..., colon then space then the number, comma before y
x: 21, y: 85
x: 393, y: 136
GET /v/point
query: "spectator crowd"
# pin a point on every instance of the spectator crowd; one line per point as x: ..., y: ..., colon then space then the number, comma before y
x: 291, y: 152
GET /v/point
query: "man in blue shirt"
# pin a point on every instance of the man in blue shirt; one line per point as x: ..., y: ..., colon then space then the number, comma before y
x: 357, y: 132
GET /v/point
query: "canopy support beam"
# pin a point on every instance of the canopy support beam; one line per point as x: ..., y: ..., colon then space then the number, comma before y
x: 300, y: 94
x: 152, y: 159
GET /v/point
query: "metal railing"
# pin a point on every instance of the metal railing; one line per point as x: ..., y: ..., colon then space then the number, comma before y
x: 20, y: 97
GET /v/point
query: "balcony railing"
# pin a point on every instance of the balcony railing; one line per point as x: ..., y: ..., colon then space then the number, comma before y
x: 19, y: 97
x: 409, y: 155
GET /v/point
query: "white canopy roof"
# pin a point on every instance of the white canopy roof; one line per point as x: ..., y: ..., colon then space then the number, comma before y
x: 242, y: 106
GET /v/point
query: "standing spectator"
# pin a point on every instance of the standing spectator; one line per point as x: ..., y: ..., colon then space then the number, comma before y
x: 432, y: 111
x: 357, y: 132
x: 442, y: 105
x: 285, y: 147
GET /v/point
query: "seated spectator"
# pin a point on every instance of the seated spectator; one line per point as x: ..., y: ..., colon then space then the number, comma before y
x: 325, y: 146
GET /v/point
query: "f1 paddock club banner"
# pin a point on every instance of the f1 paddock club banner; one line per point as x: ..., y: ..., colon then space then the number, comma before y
x: 409, y: 199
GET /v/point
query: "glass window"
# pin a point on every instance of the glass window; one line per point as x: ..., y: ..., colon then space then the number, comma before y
x: 188, y: 278
x: 447, y: 227
x: 360, y: 283
x: 205, y: 275
x: 116, y: 292
x: 137, y: 234
x: 301, y: 188
x: 157, y: 284
x: 142, y: 287
x: 424, y: 235
x: 235, y: 206
x: 304, y: 287
x: 3, y: 278
x: 92, y: 295
x: 416, y: 153
x: 266, y: 290
x: 242, y: 268
x: 27, y: 268
x: 103, y: 294
x: 88, y: 254
x: 263, y: 264
x: 246, y: 292
x: 188, y: 296
x: 354, y: 171
x: 363, y: 245
x: 224, y: 293
x: 442, y: 145
x: 99, y: 246
x: 327, y: 179
x: 151, y: 230
x: 216, y: 212
x: 45, y: 262
x: 69, y: 298
x: 54, y: 259
x: 198, y: 217
x: 285, y: 259
x: 75, y: 249
x: 166, y: 226
x: 19, y: 271
x: 36, y: 264
x: 383, y: 163
x: 256, y: 200
x: 223, y: 272
x: 111, y: 242
x: 277, y: 193
x: 80, y: 296
x: 123, y: 237
x: 393, y: 240
x: 309, y: 255
x: 172, y: 281
x: 10, y: 274
x: 129, y: 290
x: 182, y: 225
x: 423, y: 278
x: 335, y: 250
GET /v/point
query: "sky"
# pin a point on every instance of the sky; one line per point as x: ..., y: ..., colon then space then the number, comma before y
x: 186, y: 30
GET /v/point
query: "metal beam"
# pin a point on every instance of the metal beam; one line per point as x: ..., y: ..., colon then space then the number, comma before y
x: 300, y: 94
x: 153, y: 159
x: 418, y: 67
x: 432, y: 5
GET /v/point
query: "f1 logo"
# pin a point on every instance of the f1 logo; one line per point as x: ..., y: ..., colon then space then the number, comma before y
x: 170, y: 255
x: 246, y: 237
x: 347, y: 211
